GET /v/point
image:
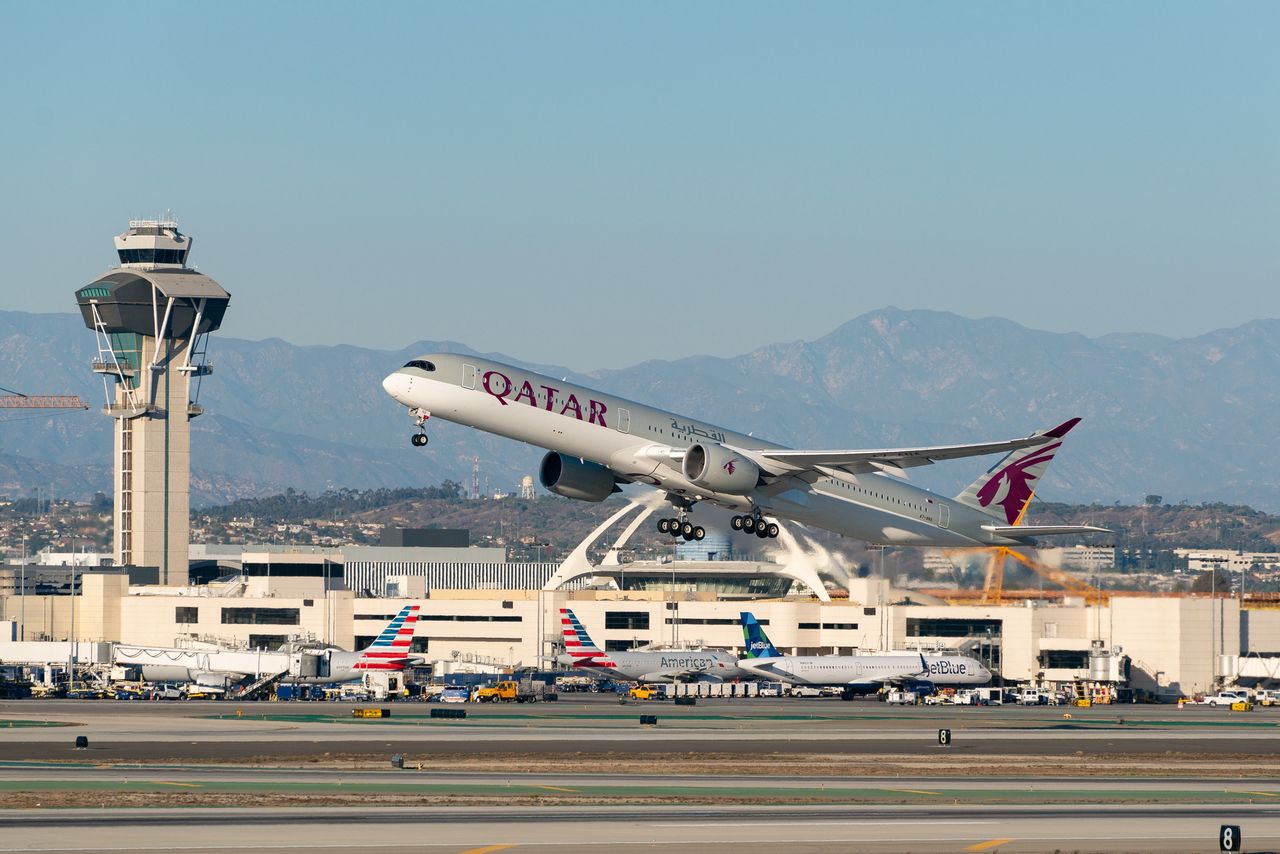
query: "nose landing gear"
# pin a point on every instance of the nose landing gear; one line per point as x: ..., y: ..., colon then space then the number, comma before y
x: 419, y: 417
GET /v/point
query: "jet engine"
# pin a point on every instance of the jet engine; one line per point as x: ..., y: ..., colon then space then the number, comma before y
x: 720, y: 470
x: 573, y: 478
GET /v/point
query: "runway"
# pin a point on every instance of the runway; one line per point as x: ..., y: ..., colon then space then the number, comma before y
x: 759, y: 775
x: 806, y: 830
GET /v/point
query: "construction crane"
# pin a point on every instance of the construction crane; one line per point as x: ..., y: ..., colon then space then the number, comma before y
x: 14, y: 400
x: 993, y: 584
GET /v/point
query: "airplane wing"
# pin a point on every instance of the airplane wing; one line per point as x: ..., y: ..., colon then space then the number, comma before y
x: 895, y: 460
x: 907, y: 678
x: 1023, y: 531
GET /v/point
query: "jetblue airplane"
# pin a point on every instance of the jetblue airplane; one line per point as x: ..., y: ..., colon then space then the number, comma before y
x: 597, y: 441
x: 855, y: 674
x: 678, y: 665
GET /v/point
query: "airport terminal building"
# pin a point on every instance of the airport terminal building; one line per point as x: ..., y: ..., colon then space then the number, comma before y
x: 477, y: 610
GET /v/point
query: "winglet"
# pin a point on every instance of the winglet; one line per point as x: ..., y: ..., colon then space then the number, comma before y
x: 1062, y: 429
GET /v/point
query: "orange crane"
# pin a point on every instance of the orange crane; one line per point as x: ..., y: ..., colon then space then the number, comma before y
x: 993, y: 584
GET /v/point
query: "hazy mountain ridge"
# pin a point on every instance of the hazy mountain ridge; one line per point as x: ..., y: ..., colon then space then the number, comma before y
x: 1187, y: 418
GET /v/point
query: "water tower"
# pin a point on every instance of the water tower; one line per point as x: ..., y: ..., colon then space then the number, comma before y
x: 152, y: 316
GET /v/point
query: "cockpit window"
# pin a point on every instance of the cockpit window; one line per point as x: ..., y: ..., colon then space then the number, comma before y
x: 421, y: 363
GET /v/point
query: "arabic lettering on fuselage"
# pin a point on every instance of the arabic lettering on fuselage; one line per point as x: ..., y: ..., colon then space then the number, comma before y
x: 692, y: 429
x: 501, y: 387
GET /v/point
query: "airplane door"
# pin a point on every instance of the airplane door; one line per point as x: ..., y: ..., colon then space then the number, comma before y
x: 468, y: 376
x: 944, y: 515
x: 624, y: 421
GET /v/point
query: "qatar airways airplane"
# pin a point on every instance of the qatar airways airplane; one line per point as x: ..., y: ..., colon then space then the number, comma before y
x: 597, y: 441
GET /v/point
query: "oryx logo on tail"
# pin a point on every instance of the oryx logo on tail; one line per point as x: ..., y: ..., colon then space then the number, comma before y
x: 1010, y: 483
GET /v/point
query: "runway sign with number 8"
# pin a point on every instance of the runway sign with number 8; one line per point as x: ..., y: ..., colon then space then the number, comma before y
x: 1229, y: 838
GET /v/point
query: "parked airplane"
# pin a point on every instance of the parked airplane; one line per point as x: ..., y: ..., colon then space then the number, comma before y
x: 855, y: 674
x: 677, y: 665
x: 598, y: 441
x: 218, y: 669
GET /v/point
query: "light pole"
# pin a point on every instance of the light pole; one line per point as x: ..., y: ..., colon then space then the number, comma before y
x: 22, y: 596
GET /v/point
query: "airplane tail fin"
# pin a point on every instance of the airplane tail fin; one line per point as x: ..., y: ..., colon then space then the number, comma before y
x: 758, y: 643
x: 1006, y: 488
x: 390, y: 649
x: 577, y: 643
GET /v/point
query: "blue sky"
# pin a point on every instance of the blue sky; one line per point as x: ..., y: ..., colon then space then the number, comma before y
x: 599, y: 184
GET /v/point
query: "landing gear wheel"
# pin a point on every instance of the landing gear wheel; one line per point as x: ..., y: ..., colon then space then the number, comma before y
x: 687, y: 536
x: 418, y: 439
x: 749, y: 524
x: 673, y: 525
x: 736, y: 523
x: 664, y: 526
x: 686, y: 530
x: 699, y: 532
x: 762, y: 531
x: 772, y: 530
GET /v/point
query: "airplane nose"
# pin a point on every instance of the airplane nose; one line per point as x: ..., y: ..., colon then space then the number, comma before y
x: 397, y: 385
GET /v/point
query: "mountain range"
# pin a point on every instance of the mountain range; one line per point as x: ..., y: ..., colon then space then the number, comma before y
x: 1192, y: 419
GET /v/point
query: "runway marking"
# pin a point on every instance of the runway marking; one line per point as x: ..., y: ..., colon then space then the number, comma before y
x: 990, y: 843
x: 914, y: 791
x: 183, y: 785
x: 1264, y: 794
x: 558, y: 788
x: 489, y: 849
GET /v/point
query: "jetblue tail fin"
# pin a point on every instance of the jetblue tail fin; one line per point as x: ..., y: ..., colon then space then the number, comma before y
x: 577, y: 643
x: 1005, y: 490
x: 390, y: 649
x: 758, y: 643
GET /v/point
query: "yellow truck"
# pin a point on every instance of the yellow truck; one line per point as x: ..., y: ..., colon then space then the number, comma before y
x: 508, y: 691
x: 644, y: 692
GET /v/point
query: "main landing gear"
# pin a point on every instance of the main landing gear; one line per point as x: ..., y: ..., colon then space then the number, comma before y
x: 419, y: 417
x: 682, y: 527
x: 753, y: 524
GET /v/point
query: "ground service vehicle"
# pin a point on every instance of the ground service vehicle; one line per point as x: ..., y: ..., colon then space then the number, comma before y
x: 508, y: 691
x: 1226, y: 698
x: 643, y: 692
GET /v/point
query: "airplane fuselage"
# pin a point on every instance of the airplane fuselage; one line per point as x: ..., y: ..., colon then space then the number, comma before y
x: 819, y: 670
x: 636, y: 442
x: 677, y: 665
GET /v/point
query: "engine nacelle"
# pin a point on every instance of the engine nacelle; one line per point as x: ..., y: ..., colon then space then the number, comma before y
x: 573, y: 478
x: 720, y: 470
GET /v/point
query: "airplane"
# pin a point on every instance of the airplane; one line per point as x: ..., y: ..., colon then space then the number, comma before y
x: 680, y: 665
x: 216, y: 670
x: 854, y: 674
x: 597, y: 441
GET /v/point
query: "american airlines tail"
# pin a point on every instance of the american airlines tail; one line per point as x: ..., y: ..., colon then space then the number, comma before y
x: 390, y: 650
x: 1006, y: 489
x: 758, y: 643
x: 577, y: 643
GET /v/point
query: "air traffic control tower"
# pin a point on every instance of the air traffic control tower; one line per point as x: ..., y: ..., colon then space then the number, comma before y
x: 152, y: 316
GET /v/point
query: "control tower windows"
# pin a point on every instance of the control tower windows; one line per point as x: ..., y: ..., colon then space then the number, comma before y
x: 153, y: 256
x: 420, y: 363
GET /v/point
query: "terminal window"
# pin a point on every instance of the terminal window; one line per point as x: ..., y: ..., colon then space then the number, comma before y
x: 471, y: 618
x: 620, y: 645
x: 184, y: 614
x: 260, y: 616
x: 267, y: 641
x: 951, y: 628
x: 1064, y: 659
x: 830, y: 626
x: 626, y: 620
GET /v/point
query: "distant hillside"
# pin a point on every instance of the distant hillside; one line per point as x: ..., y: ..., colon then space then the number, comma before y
x: 1191, y: 419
